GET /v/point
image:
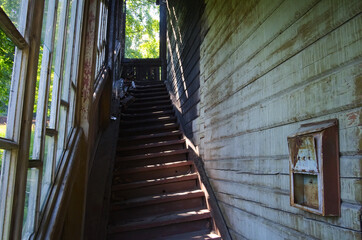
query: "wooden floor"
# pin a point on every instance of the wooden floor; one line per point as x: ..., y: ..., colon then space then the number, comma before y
x: 155, y: 189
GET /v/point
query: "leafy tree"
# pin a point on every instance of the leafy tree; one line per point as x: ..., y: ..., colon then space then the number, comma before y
x: 7, y: 49
x: 142, y: 29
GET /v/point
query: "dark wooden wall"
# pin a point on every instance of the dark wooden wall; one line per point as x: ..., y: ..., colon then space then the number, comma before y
x: 262, y: 69
x: 184, y: 37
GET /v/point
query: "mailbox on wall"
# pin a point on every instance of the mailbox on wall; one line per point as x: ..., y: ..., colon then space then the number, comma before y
x: 314, y: 168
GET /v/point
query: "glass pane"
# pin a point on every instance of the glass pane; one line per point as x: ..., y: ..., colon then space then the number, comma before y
x: 142, y: 29
x: 57, y: 62
x: 47, y: 169
x: 40, y: 85
x: 62, y: 132
x: 7, y: 51
x: 2, y: 155
x: 31, y: 193
x: 68, y: 52
x: 13, y: 8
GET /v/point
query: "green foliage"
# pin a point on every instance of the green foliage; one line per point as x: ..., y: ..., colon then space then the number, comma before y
x: 12, y: 9
x: 7, y: 49
x: 142, y: 29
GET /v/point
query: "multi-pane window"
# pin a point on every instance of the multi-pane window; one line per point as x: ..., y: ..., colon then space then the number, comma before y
x: 13, y: 58
x: 102, y: 35
x: 54, y: 101
x: 55, y: 105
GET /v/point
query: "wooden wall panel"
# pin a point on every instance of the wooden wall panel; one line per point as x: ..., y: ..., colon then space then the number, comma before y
x: 256, y: 71
x: 183, y: 57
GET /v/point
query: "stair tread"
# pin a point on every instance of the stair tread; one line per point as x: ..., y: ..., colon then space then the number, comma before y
x: 153, y: 167
x: 152, y: 155
x: 198, y: 235
x: 152, y: 127
x: 152, y: 182
x: 150, y: 136
x: 152, y: 108
x: 164, y: 96
x: 161, y: 220
x: 153, y: 114
x: 166, y: 101
x: 148, y: 121
x: 155, y: 199
x: 151, y: 145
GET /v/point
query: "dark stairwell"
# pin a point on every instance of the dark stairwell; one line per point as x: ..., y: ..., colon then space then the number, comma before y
x: 156, y: 191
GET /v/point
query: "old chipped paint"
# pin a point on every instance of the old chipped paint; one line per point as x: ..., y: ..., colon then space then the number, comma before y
x: 88, y: 69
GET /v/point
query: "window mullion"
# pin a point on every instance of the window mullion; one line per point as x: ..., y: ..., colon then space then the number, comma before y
x: 54, y: 111
x: 8, y: 144
x: 44, y: 83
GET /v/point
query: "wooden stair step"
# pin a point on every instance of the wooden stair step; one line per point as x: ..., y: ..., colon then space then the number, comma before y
x: 157, y: 199
x: 147, y: 138
x: 152, y: 182
x: 156, y: 98
x: 151, y: 103
x: 162, y: 170
x: 159, y: 120
x: 153, y: 109
x: 197, y: 235
x: 149, y: 94
x: 150, y: 115
x: 148, y: 85
x: 154, y: 167
x: 152, y: 155
x: 157, y: 221
x: 151, y: 145
x: 149, y: 129
x: 148, y: 88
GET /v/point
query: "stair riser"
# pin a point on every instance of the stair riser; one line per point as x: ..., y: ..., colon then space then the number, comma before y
x: 150, y: 116
x: 150, y: 94
x: 151, y: 110
x: 157, y: 232
x: 173, y: 187
x: 151, y: 103
x: 161, y: 173
x: 150, y: 150
x: 149, y: 140
x: 145, y: 91
x: 148, y: 131
x: 150, y: 99
x: 151, y: 122
x: 148, y: 89
x: 156, y: 209
x: 150, y: 161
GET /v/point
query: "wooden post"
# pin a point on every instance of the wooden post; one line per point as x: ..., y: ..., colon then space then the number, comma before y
x: 163, y: 32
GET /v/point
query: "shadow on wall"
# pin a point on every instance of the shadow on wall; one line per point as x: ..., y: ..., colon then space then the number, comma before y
x: 183, y: 59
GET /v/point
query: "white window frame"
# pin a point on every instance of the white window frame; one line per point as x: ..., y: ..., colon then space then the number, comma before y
x: 63, y: 97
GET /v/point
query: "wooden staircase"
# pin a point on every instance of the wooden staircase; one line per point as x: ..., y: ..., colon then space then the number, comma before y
x: 156, y: 191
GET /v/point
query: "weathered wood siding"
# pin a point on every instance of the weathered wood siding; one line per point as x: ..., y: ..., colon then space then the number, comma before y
x: 183, y: 58
x: 263, y: 68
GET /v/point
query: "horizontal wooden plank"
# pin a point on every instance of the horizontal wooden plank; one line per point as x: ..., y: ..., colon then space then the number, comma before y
x: 279, y: 200
x: 8, y: 144
x: 292, y: 223
x: 351, y: 188
x: 278, y: 84
x: 272, y: 142
x: 254, y: 60
x: 350, y: 166
x: 214, y: 49
x: 253, y: 227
